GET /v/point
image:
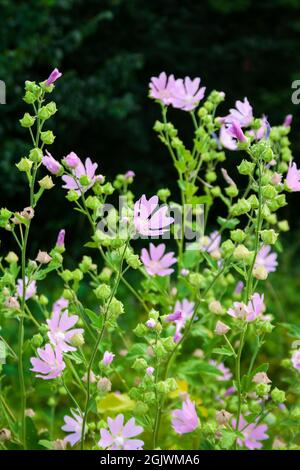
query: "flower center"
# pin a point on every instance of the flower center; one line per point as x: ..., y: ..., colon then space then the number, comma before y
x: 119, y: 440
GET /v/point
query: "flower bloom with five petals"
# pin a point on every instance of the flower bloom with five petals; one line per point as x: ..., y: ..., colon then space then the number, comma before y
x: 267, y: 259
x: 88, y: 169
x: 253, y: 433
x: 50, y: 363
x: 30, y: 288
x: 149, y: 220
x: 185, y: 420
x: 119, y: 436
x: 161, y: 88
x: 187, y: 93
x: 60, y: 329
x: 293, y: 177
x: 156, y: 262
x: 73, y: 425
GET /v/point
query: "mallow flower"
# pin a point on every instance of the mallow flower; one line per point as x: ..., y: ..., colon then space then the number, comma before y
x: 87, y: 169
x: 60, y: 329
x: 30, y: 288
x: 183, y: 310
x: 50, y: 363
x: 296, y: 359
x: 267, y: 259
x: 235, y: 131
x: 73, y: 425
x: 119, y: 436
x: 263, y: 131
x: 187, y: 93
x: 60, y: 242
x: 52, y: 165
x: 185, y: 420
x: 149, y: 220
x: 156, y: 261
x: 161, y: 88
x: 253, y: 433
x: 242, y: 113
x: 293, y: 177
x: 249, y: 312
x: 225, y: 373
x: 54, y: 75
x: 211, y: 243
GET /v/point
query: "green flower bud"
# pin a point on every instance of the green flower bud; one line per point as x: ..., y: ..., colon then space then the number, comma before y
x: 46, y: 182
x: 158, y: 126
x: 139, y: 364
x: 105, y: 274
x: 227, y: 248
x: 168, y: 343
x: 216, y: 191
x: 262, y: 389
x: 269, y: 237
x: 29, y: 97
x: 67, y: 294
x: 92, y: 202
x: 278, y: 396
x: 77, y: 275
x: 67, y: 275
x: 246, y: 167
x: 43, y: 113
x: 149, y: 397
x: 160, y: 350
x: 141, y: 408
x: 51, y: 107
x: 253, y: 201
x: 103, y: 292
x: 164, y: 194
x: 255, y: 408
x: 133, y: 261
x: 171, y: 385
x: 36, y: 155
x: 11, y: 257
x: 47, y: 137
x: 232, y: 191
x: 43, y: 300
x: 237, y: 235
x: 24, y: 165
x: 72, y: 195
x: 241, y: 207
x: 116, y: 308
x: 271, y: 219
x: 162, y: 387
x: 260, y: 273
x: 108, y: 189
x: 241, y: 253
x: 268, y: 192
x: 283, y: 225
x: 202, y: 112
x: 77, y: 340
x: 268, y: 155
x: 84, y: 180
x: 36, y: 341
x: 211, y: 176
x: 196, y: 280
x: 86, y: 264
x: 27, y: 120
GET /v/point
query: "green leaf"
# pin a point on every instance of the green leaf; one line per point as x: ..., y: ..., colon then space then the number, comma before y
x: 228, y: 439
x: 137, y: 350
x: 96, y: 320
x: 196, y: 367
x: 223, y: 351
x: 228, y: 223
x: 46, y: 444
x: 293, y: 330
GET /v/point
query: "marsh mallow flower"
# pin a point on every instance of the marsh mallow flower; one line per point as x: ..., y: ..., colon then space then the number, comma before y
x: 54, y: 75
x: 72, y: 160
x: 161, y: 88
x: 235, y: 131
x: 88, y: 170
x: 50, y: 363
x: 60, y: 329
x: 242, y: 113
x: 211, y: 244
x: 225, y: 373
x: 60, y: 242
x: 30, y: 288
x: 108, y: 357
x: 296, y: 359
x: 119, y: 436
x: 156, y: 261
x: 253, y: 433
x: 185, y: 420
x: 266, y: 259
x: 73, y: 425
x: 187, y: 93
x: 293, y: 177
x: 183, y: 311
x: 149, y: 220
x: 249, y: 312
x: 51, y: 164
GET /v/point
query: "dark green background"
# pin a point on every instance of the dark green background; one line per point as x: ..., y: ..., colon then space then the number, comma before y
x: 107, y: 50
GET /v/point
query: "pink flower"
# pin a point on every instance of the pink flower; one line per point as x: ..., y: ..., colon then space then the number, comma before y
x: 150, y: 370
x: 252, y: 432
x: 74, y: 427
x: 226, y: 138
x: 211, y: 244
x: 51, y: 164
x: 156, y: 262
x: 182, y: 312
x: 147, y: 220
x: 174, y: 316
x: 88, y: 169
x: 239, y: 287
x: 288, y: 120
x: 242, y: 113
x: 185, y: 420
x: 161, y: 88
x: 30, y: 288
x: 263, y: 131
x: 118, y: 436
x: 293, y: 177
x: 187, y: 94
x: 60, y: 304
x: 225, y: 372
x: 54, y: 75
x: 151, y: 323
x: 72, y: 160
x: 60, y: 332
x: 61, y: 238
x: 129, y: 174
x: 239, y: 310
x: 50, y: 365
x: 235, y: 131
x: 108, y: 357
x: 256, y: 306
x: 296, y: 359
x: 266, y: 259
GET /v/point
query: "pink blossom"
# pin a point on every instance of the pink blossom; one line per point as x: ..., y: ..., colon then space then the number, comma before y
x: 156, y: 262
x: 73, y: 426
x: 61, y: 238
x: 51, y: 164
x: 54, y: 75
x: 174, y: 316
x: 151, y: 323
x: 225, y: 372
x: 185, y: 420
x: 293, y: 177
x: 227, y: 178
x: 129, y: 174
x: 263, y: 131
x: 239, y: 287
x: 186, y: 309
x: 87, y: 169
x: 211, y: 244
x: 255, y: 306
x: 296, y: 359
x: 50, y: 365
x: 266, y: 259
x: 161, y: 88
x: 108, y: 357
x: 242, y: 113
x: 187, y: 93
x: 60, y: 305
x: 72, y: 160
x: 252, y: 432
x: 150, y: 370
x: 235, y: 131
x: 226, y: 139
x: 30, y: 288
x: 147, y: 220
x: 288, y: 120
x: 60, y: 329
x: 119, y: 436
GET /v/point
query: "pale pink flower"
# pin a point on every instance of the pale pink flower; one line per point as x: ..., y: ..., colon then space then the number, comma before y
x: 119, y: 436
x: 225, y: 372
x: 149, y: 220
x: 263, y: 131
x: 156, y: 262
x: 61, y: 238
x: 293, y: 177
x: 161, y: 88
x: 60, y: 329
x: 239, y: 310
x: 296, y: 359
x: 261, y: 378
x: 211, y: 244
x: 150, y: 370
x: 227, y: 178
x: 60, y: 305
x: 288, y: 120
x: 50, y: 364
x: 151, y: 323
x: 239, y: 287
x: 73, y: 425
x: 54, y: 75
x: 242, y: 113
x: 108, y: 357
x: 276, y: 178
x: 235, y: 131
x: 253, y: 433
x: 129, y: 174
x: 30, y: 288
x: 183, y: 311
x: 87, y: 169
x: 185, y: 420
x: 72, y: 160
x: 187, y: 93
x: 267, y: 259
x: 226, y: 139
x: 51, y: 164
x: 255, y: 306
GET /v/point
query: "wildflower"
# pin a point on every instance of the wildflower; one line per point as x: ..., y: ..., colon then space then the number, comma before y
x: 216, y: 307
x: 174, y: 316
x: 51, y: 164
x: 296, y: 360
x: 27, y: 213
x: 12, y: 302
x: 5, y: 435
x: 186, y: 310
x: 43, y: 257
x: 263, y: 131
x: 239, y: 310
x: 151, y: 323
x: 60, y: 304
x: 288, y: 120
x: 239, y: 287
x: 226, y: 138
x: 30, y: 288
x: 261, y: 377
x: 46, y: 182
x: 236, y: 131
x: 211, y: 244
x: 72, y: 160
x: 73, y: 425
x: 104, y: 385
x: 156, y: 262
x: 54, y: 75
x: 50, y: 365
x: 221, y: 329
x: 147, y: 220
x: 150, y: 370
x: 60, y: 242
x: 253, y: 433
x: 129, y: 174
x: 266, y: 259
x: 108, y: 357
x: 225, y: 373
x: 119, y: 436
x: 186, y: 94
x: 256, y: 306
x: 161, y: 88
x: 242, y: 113
x: 11, y: 257
x: 185, y: 420
x: 223, y: 417
x: 293, y: 177
x: 60, y: 332
x: 88, y: 170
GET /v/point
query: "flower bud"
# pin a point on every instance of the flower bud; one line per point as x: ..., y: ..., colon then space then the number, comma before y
x: 241, y: 253
x: 216, y: 307
x: 262, y: 389
x: 37, y: 340
x: 105, y: 274
x: 196, y: 280
x: 104, y: 385
x: 283, y: 225
x: 237, y: 235
x: 269, y: 237
x: 72, y: 195
x: 227, y: 248
x: 261, y: 377
x: 241, y: 207
x: 5, y: 435
x: 221, y: 329
x: 24, y: 165
x: 108, y: 357
x: 46, y: 182
x: 232, y: 191
x: 36, y: 155
x: 150, y: 371
x: 86, y: 264
x: 246, y: 167
x: 268, y: 191
x: 260, y: 273
x: 77, y: 340
x: 47, y: 137
x: 133, y: 261
x: 11, y: 303
x: 278, y: 396
x: 11, y: 257
x: 164, y: 194
x: 253, y: 201
x: 151, y: 323
x: 43, y: 257
x: 223, y: 417
x: 27, y: 120
x: 140, y: 330
x: 102, y: 292
x: 139, y: 364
